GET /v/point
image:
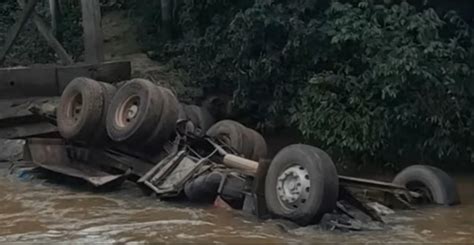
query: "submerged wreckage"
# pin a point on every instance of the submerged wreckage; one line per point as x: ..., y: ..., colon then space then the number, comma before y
x: 105, y: 134
x: 140, y: 132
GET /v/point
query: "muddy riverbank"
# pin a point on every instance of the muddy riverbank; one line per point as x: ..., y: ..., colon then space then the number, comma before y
x: 36, y: 210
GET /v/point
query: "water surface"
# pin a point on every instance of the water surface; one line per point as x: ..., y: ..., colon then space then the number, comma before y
x: 40, y: 211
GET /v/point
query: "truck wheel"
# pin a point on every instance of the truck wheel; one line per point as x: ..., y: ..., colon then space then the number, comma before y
x: 200, y: 117
x: 80, y: 109
x: 134, y: 112
x: 301, y: 184
x: 108, y: 91
x: 248, y: 143
x: 231, y: 133
x: 168, y: 118
x: 434, y: 184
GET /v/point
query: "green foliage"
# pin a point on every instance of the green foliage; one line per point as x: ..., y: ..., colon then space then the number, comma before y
x: 399, y: 84
x: 30, y: 47
x: 255, y: 52
x: 28, y: 40
x: 72, y: 32
x: 373, y: 80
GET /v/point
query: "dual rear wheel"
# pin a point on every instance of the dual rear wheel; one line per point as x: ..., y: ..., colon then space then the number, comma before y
x: 142, y: 113
x: 82, y: 110
x: 137, y: 114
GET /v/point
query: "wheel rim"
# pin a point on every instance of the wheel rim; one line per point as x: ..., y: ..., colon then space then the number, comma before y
x: 293, y: 187
x: 127, y: 112
x: 75, y: 106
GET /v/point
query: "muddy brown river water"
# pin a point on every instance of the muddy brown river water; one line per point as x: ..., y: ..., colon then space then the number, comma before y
x: 33, y: 210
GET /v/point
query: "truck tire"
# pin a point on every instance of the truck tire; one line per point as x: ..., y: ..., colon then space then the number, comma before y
x: 248, y: 143
x: 168, y: 118
x: 108, y: 91
x: 200, y: 118
x: 134, y: 112
x: 301, y: 184
x: 231, y: 133
x: 437, y: 186
x: 203, y: 189
x: 80, y: 109
x: 227, y: 131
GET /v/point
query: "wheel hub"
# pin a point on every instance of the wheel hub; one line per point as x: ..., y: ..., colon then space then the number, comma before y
x: 293, y: 186
x: 132, y: 112
x: 75, y: 107
x: 128, y: 111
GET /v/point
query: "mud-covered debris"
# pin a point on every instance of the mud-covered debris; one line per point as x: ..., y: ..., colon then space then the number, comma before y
x: 380, y: 209
x: 11, y: 150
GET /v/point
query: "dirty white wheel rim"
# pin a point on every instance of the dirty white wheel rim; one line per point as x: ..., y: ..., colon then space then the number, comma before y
x: 127, y: 112
x: 293, y: 187
x: 75, y: 106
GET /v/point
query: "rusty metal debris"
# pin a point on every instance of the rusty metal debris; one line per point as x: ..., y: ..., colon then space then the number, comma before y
x: 18, y: 122
x: 53, y: 155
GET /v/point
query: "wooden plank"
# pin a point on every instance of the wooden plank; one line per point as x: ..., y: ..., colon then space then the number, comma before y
x: 48, y: 35
x: 16, y: 29
x: 93, y: 36
x: 18, y: 121
x: 21, y: 82
x: 55, y: 18
x: 10, y: 108
x: 25, y: 130
x: 166, y: 18
x: 110, y: 72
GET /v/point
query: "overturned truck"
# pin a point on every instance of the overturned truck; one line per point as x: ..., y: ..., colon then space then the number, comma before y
x: 140, y: 132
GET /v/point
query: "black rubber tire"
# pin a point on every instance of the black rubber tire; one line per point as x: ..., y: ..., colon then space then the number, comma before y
x: 230, y: 132
x: 147, y: 117
x: 259, y: 145
x: 168, y: 118
x: 200, y: 118
x: 440, y: 185
x: 324, y: 187
x: 248, y: 143
x: 108, y: 92
x: 91, y: 96
x: 203, y: 189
